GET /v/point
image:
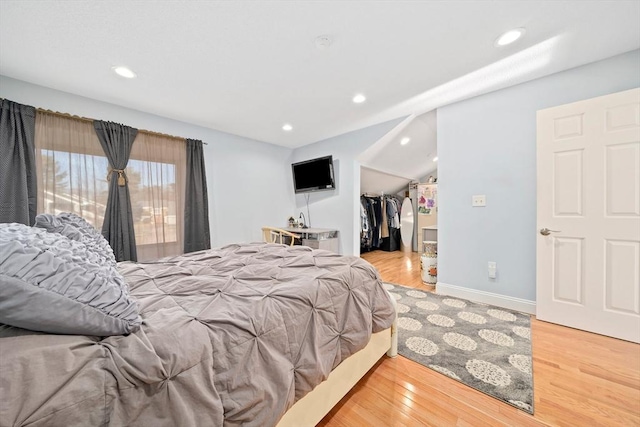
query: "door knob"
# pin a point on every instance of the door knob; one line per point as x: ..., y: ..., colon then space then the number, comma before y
x: 545, y: 231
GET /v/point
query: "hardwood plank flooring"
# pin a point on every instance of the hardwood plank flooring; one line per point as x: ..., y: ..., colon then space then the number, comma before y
x: 580, y: 379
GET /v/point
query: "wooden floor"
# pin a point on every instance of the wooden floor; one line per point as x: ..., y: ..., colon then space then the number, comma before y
x: 580, y: 379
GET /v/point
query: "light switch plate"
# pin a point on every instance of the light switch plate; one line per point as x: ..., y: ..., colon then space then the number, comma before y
x: 479, y: 201
x: 492, y: 269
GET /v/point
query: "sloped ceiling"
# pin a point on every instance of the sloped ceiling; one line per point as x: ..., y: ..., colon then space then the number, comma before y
x: 412, y: 160
x: 247, y: 67
x: 376, y: 183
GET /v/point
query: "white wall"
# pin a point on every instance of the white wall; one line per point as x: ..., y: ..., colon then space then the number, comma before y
x: 249, y: 182
x: 340, y: 208
x: 487, y: 145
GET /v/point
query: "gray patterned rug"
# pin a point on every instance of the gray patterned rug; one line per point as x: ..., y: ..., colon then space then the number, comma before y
x: 485, y: 347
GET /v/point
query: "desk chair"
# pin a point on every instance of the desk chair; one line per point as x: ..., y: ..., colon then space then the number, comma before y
x: 277, y: 235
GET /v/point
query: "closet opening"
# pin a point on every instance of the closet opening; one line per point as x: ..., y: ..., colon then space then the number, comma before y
x: 398, y: 227
x: 402, y: 165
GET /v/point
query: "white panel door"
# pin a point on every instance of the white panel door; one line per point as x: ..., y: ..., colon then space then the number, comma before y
x: 588, y: 219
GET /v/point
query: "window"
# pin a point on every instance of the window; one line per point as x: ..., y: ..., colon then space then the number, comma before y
x: 71, y: 183
x: 156, y: 172
x: 72, y: 168
x: 72, y: 177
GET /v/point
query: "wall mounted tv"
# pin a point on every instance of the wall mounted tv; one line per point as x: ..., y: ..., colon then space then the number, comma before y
x: 313, y: 175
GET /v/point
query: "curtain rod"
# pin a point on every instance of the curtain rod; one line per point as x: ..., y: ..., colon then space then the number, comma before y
x: 87, y: 119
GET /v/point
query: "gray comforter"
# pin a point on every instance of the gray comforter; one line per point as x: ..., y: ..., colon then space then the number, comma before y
x: 231, y: 336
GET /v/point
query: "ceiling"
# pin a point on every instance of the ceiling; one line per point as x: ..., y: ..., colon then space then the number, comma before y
x: 388, y: 166
x: 249, y: 67
x: 377, y: 183
x: 413, y: 160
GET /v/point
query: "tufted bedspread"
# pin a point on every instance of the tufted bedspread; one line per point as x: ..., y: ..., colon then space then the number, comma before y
x: 231, y: 336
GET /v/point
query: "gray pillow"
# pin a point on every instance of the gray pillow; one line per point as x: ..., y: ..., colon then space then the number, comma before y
x: 51, y: 283
x: 77, y: 228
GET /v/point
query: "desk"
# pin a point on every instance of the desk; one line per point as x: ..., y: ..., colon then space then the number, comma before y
x: 318, y: 238
x: 429, y: 233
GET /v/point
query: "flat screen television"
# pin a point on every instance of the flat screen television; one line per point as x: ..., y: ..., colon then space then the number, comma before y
x: 313, y: 175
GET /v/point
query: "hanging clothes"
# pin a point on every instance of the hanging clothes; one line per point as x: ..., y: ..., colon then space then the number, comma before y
x: 392, y: 241
x: 365, y: 232
x: 380, y: 223
x: 384, y: 229
x: 393, y: 212
x: 371, y: 220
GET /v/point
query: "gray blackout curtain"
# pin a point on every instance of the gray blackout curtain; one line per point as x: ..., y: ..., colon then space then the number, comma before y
x: 196, y: 210
x: 17, y: 163
x: 117, y: 228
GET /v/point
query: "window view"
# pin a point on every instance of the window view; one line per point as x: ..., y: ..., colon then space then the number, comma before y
x: 72, y: 177
x: 156, y: 172
x: 152, y: 186
x: 74, y: 182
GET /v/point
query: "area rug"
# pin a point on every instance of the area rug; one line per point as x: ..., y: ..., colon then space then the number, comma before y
x: 485, y: 347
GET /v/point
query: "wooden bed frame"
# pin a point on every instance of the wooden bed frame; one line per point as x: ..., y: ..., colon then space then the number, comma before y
x: 309, y: 410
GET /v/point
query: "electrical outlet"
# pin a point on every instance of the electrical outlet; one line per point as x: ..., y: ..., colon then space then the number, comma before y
x: 479, y: 201
x: 492, y: 269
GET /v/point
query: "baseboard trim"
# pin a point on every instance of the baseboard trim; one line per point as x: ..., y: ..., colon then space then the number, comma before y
x: 511, y: 303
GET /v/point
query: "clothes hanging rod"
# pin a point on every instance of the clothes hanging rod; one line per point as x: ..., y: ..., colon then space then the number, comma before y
x: 377, y: 195
x: 87, y: 119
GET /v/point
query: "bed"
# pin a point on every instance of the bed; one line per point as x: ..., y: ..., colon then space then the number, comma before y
x: 245, y: 335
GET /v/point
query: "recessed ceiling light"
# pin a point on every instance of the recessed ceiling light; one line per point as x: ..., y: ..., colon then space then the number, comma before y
x: 435, y: 159
x: 287, y: 127
x: 359, y: 98
x: 510, y: 36
x: 124, y: 72
x: 405, y: 141
x: 323, y: 41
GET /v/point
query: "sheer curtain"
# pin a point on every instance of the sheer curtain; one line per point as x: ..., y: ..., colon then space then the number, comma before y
x: 156, y: 173
x: 71, y: 167
x: 72, y: 177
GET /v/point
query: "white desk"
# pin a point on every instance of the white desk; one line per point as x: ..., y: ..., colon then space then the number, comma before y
x: 318, y: 238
